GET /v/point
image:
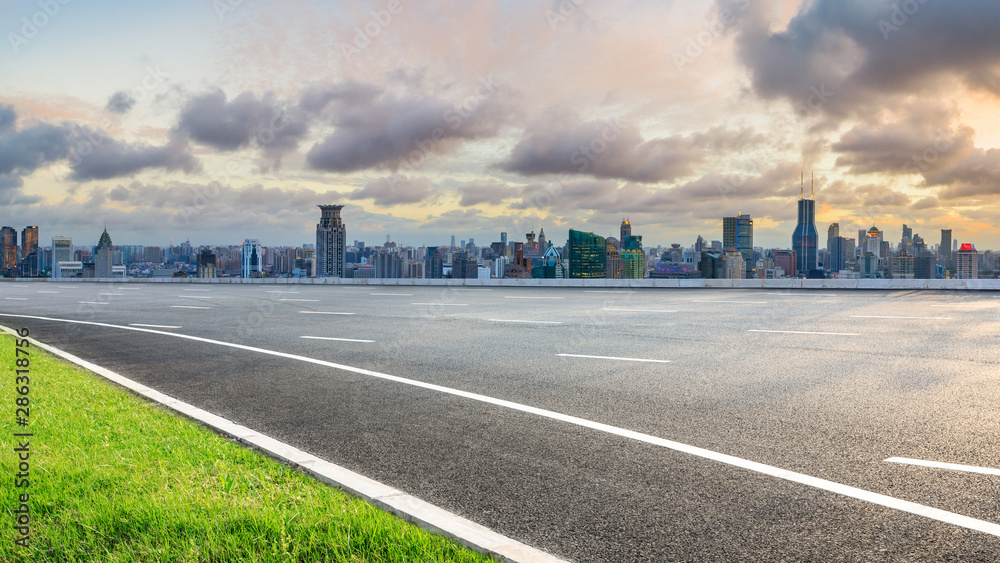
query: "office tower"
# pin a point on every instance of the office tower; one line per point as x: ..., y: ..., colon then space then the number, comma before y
x: 967, y: 262
x: 331, y: 242
x: 152, y: 254
x: 805, y: 237
x: 633, y: 259
x: 434, y: 263
x: 206, y: 264
x: 924, y: 266
x: 251, y: 259
x: 907, y: 235
x: 837, y: 250
x: 103, y: 259
x: 872, y: 243
x: 944, y: 251
x: 389, y: 262
x: 832, y: 233
x: 503, y: 238
x: 62, y: 249
x: 787, y: 261
x: 626, y: 230
x: 8, y: 251
x: 529, y: 240
x: 453, y: 241
x: 699, y: 245
x: 612, y: 262
x: 29, y: 251
x: 737, y: 234
x: 587, y: 255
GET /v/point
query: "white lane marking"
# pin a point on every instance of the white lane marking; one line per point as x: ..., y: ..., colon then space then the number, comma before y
x: 709, y: 301
x: 188, y: 307
x: 111, y: 294
x: 43, y: 291
x: 468, y: 289
x: 802, y: 294
x: 444, y: 304
x: 521, y: 321
x: 17, y: 299
x: 970, y: 305
x: 529, y: 297
x: 892, y: 317
x: 93, y: 302
x: 290, y: 299
x: 613, y: 358
x: 427, y: 516
x: 806, y: 332
x: 640, y: 310
x: 194, y: 296
x: 400, y: 294
x: 191, y: 289
x: 324, y: 313
x: 280, y: 291
x: 153, y: 326
x: 140, y: 289
x: 943, y: 465
x: 815, y: 482
x: 338, y: 339
x: 607, y: 291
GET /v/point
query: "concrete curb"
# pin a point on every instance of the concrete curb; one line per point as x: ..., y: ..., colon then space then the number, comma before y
x: 423, y: 514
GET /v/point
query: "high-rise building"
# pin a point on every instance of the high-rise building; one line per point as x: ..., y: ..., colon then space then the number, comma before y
x: 967, y: 262
x: 206, y: 264
x: 787, y: 261
x: 737, y: 234
x: 434, y: 263
x: 103, y: 258
x: 251, y: 259
x: 632, y: 257
x: 587, y: 255
x: 805, y: 237
x: 8, y: 251
x: 331, y: 242
x: 612, y: 262
x: 944, y: 251
x: 626, y: 231
x: 832, y: 233
x: 29, y: 251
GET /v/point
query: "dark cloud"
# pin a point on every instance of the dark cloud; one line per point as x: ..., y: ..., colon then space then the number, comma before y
x: 388, y: 132
x: 21, y: 152
x: 394, y: 190
x: 925, y: 203
x: 315, y: 99
x: 485, y: 192
x: 7, y: 118
x: 229, y: 125
x: 844, y: 57
x: 560, y: 143
x: 901, y: 148
x: 95, y: 157
x: 120, y: 102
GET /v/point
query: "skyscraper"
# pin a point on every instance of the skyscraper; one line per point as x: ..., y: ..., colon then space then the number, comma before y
x: 835, y: 262
x: 944, y: 251
x: 626, y: 231
x: 331, y: 242
x: 737, y: 234
x: 29, y: 251
x: 103, y: 259
x: 252, y: 259
x: 805, y: 237
x: 967, y: 262
x: 8, y: 250
x: 587, y: 255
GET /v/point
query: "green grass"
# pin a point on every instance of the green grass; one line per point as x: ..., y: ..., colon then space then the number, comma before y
x: 117, y: 478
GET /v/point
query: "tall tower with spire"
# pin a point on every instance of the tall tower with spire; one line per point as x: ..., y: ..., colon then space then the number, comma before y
x: 806, y: 237
x: 626, y: 231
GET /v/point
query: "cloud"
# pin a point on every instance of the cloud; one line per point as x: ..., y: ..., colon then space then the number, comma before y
x: 120, y: 102
x: 106, y: 158
x: 864, y: 53
x: 490, y: 192
x: 386, y: 132
x: 224, y: 125
x: 394, y: 190
x: 560, y: 143
x: 24, y: 151
x: 7, y: 117
x: 901, y: 148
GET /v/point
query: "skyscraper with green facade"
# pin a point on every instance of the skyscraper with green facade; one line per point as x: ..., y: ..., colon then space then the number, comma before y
x: 587, y: 253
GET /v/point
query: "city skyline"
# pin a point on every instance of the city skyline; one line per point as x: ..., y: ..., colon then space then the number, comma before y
x: 424, y: 126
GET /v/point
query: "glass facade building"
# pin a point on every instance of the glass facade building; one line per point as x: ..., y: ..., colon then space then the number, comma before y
x: 587, y: 255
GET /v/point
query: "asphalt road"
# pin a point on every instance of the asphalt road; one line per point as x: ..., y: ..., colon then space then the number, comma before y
x: 825, y: 384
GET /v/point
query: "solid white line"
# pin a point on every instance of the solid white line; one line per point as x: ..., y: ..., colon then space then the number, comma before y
x: 529, y: 297
x: 280, y: 291
x: 444, y: 304
x: 707, y: 301
x: 93, y: 302
x: 468, y: 289
x: 816, y: 482
x: 613, y: 358
x: 890, y: 317
x: 19, y: 299
x: 324, y: 313
x: 43, y: 291
x: 640, y: 310
x: 519, y: 321
x: 806, y: 332
x: 111, y: 294
x: 188, y: 307
x: 401, y: 294
x: 314, y: 300
x: 153, y: 326
x: 181, y: 290
x: 408, y: 507
x: 942, y: 465
x: 194, y: 296
x: 332, y: 338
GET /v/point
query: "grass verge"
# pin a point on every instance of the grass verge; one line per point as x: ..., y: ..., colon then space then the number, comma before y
x: 116, y: 478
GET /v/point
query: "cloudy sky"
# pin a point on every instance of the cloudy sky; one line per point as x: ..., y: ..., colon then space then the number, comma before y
x: 219, y: 120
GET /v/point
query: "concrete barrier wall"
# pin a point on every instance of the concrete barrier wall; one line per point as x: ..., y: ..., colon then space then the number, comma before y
x: 976, y: 285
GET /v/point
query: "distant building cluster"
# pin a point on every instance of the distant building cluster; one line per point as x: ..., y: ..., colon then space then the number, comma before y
x: 585, y: 255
